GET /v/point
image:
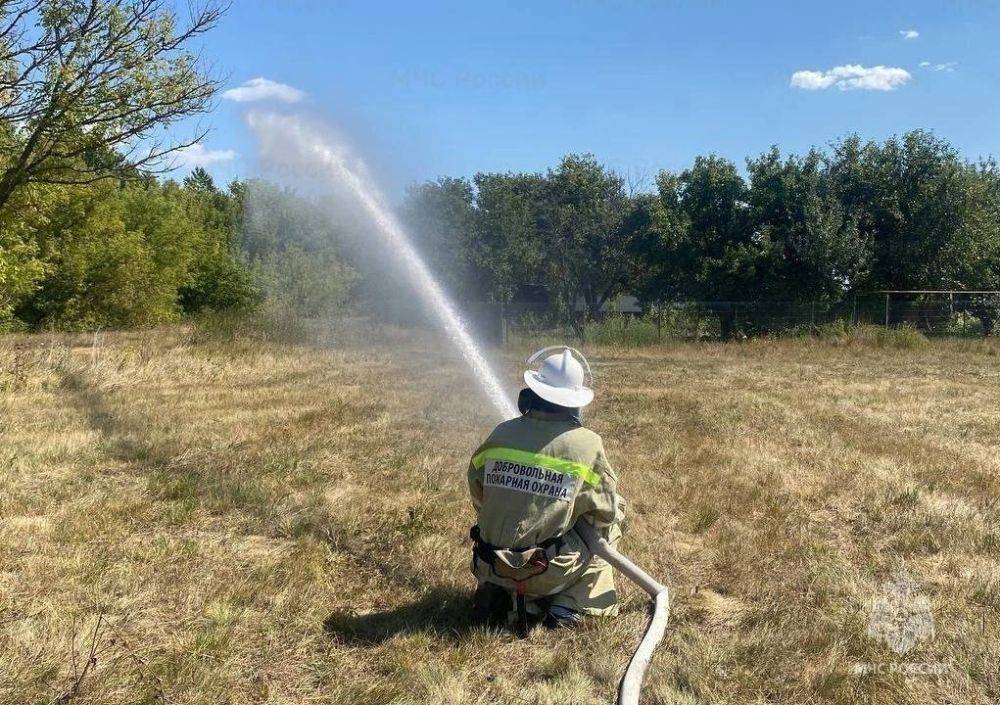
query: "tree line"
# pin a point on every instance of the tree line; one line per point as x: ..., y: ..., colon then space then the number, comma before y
x: 142, y: 253
x: 92, y: 235
x: 88, y: 236
x: 905, y: 213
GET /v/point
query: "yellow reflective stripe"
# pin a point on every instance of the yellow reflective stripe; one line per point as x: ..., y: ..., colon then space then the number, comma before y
x: 538, y: 460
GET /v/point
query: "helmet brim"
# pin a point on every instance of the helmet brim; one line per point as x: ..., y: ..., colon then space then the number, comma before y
x: 560, y: 396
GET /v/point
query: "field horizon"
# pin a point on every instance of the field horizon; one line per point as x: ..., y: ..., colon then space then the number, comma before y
x: 196, y: 516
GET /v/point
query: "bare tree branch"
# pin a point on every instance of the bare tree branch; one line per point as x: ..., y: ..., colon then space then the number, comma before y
x: 85, y: 83
x: 79, y: 676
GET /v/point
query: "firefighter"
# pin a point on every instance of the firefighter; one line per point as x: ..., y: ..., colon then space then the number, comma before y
x: 531, y: 481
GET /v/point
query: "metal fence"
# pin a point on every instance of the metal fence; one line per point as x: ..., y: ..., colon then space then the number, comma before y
x: 934, y: 313
x: 958, y: 313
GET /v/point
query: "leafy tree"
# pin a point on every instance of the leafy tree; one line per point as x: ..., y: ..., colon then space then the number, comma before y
x: 665, y: 260
x: 973, y: 255
x: 440, y: 216
x: 273, y: 217
x: 700, y: 244
x: 979, y: 250
x: 20, y: 266
x: 931, y: 216
x: 507, y: 246
x: 911, y: 198
x: 111, y: 255
x: 297, y: 283
x: 810, y: 247
x: 88, y: 85
x: 218, y: 282
x: 587, y: 235
x: 294, y: 250
x: 720, y: 247
x: 568, y: 230
x: 116, y: 257
x: 217, y: 279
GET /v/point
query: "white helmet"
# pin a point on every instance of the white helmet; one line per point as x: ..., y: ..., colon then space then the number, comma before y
x: 561, y: 379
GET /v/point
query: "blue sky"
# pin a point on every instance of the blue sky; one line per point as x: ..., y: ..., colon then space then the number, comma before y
x: 449, y: 88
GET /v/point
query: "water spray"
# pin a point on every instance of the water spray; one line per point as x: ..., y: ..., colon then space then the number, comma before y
x: 293, y: 143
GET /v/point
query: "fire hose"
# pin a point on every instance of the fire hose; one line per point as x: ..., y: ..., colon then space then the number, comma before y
x: 631, y: 683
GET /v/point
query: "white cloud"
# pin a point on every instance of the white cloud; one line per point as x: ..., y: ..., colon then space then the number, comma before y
x: 197, y: 155
x: 948, y: 66
x: 852, y: 77
x: 260, y: 88
x: 909, y: 33
x: 812, y: 80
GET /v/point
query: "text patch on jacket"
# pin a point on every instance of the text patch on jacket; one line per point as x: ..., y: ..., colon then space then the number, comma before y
x: 531, y: 479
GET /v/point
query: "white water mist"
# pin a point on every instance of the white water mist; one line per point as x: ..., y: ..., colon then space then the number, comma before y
x: 294, y: 144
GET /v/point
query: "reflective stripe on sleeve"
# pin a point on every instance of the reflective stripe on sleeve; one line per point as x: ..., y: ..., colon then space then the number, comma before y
x: 584, y: 472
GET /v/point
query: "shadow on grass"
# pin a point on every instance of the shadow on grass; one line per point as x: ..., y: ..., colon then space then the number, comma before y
x: 441, y: 612
x: 124, y: 437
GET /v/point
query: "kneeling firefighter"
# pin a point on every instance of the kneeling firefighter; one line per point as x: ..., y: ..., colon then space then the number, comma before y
x: 531, y: 481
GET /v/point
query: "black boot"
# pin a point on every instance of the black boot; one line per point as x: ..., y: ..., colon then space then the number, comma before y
x: 490, y: 605
x: 559, y: 617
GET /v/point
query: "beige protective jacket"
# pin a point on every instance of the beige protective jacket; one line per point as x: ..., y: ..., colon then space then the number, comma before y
x: 530, y: 481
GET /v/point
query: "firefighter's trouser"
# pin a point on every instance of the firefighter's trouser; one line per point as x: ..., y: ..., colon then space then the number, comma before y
x: 574, y: 579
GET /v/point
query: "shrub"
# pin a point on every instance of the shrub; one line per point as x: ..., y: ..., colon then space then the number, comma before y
x: 619, y: 329
x: 965, y: 324
x: 116, y: 258
x: 905, y: 337
x: 302, y: 284
x: 20, y: 266
x: 113, y: 256
x: 219, y: 283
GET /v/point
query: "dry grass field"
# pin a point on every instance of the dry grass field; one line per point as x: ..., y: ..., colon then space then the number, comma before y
x: 188, y: 518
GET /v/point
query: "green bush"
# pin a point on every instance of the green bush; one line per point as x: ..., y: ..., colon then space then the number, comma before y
x: 294, y: 282
x: 116, y: 260
x: 20, y: 266
x: 905, y: 337
x: 965, y: 324
x: 219, y: 282
x: 109, y: 255
x: 619, y: 329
